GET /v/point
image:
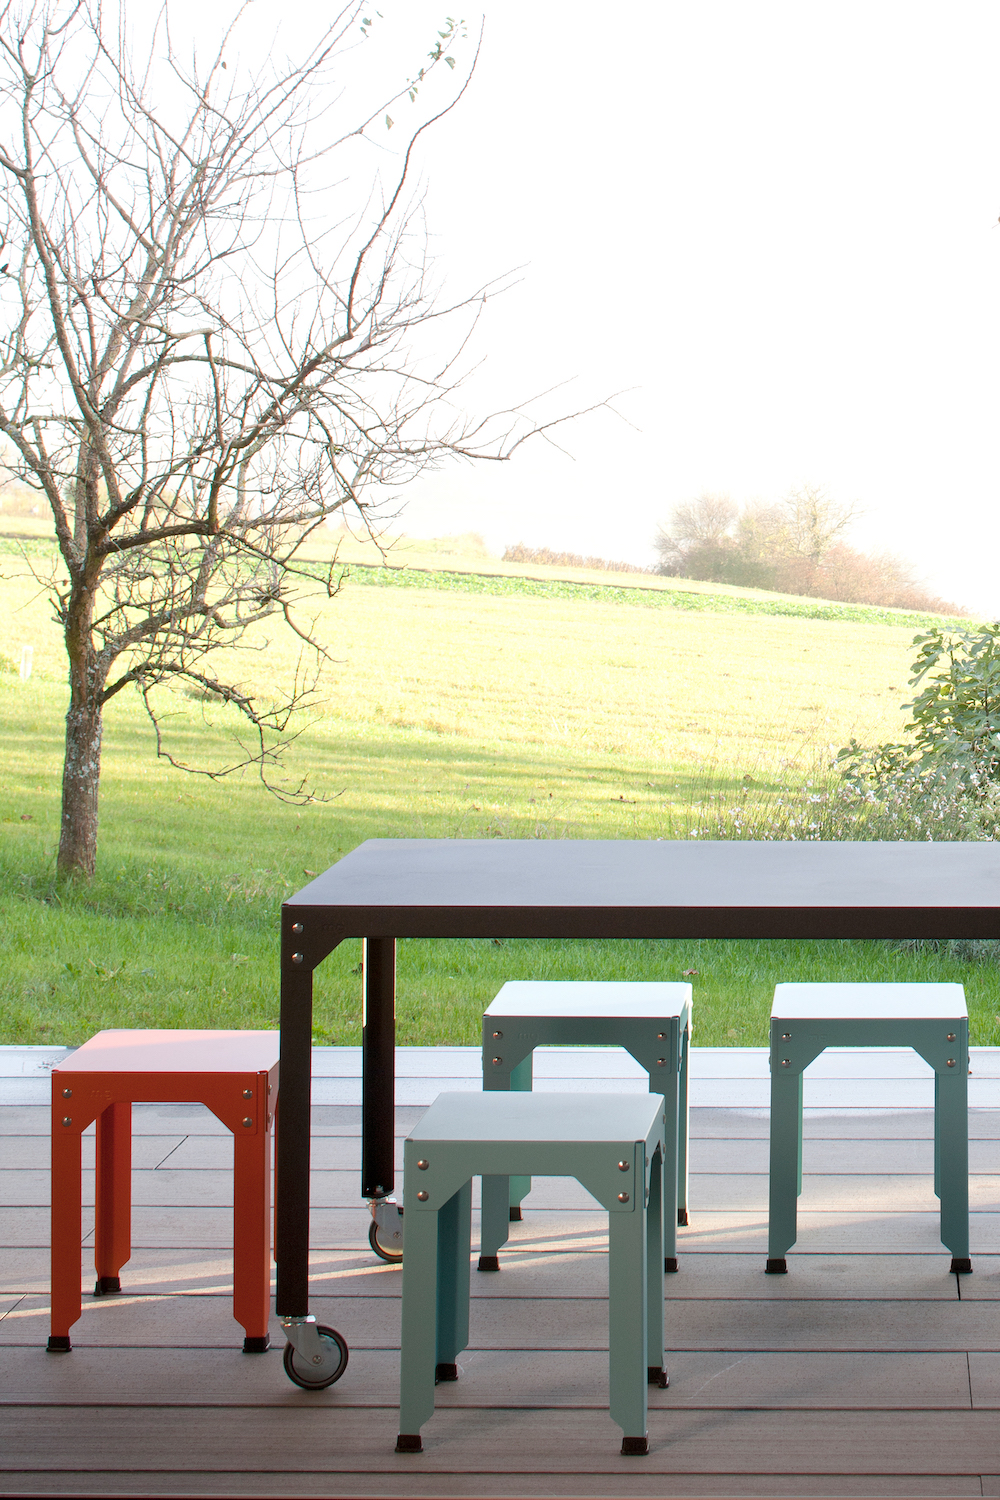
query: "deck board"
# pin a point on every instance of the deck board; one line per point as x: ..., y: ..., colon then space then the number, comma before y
x: 868, y: 1370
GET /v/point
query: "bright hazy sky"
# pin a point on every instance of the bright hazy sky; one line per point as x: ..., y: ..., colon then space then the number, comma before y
x: 772, y: 222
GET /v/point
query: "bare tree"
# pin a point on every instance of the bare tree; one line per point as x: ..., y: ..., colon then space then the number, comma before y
x: 699, y: 528
x: 208, y: 351
x: 815, y: 521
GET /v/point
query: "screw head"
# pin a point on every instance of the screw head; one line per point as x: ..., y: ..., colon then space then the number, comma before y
x: 317, y: 1359
x: 786, y: 1062
x: 661, y: 1036
x: 497, y: 1061
x: 623, y: 1166
x: 498, y: 1036
x: 950, y: 1037
x: 786, y: 1036
x: 247, y: 1121
x: 951, y: 1062
x: 67, y: 1119
x: 67, y: 1093
x: 423, y: 1196
x: 296, y: 927
x: 296, y: 958
x: 248, y: 1093
x: 661, y: 1062
x: 423, y: 1165
x: 623, y: 1197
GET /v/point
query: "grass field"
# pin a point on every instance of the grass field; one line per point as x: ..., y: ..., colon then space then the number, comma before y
x: 446, y: 714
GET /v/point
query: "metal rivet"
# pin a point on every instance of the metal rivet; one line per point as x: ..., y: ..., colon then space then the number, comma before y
x: 661, y: 1062
x: 623, y: 1166
x: 296, y: 958
x: 950, y: 1037
x: 423, y: 1197
x: 951, y: 1062
x: 68, y: 1093
x: 67, y: 1119
x: 786, y: 1036
x: 247, y: 1121
x: 497, y: 1061
x: 498, y: 1036
x: 248, y: 1093
x: 423, y: 1165
x: 623, y: 1197
x: 786, y: 1062
x: 661, y: 1036
x: 296, y: 927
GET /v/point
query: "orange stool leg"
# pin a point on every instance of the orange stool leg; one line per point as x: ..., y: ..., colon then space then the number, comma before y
x: 67, y: 1231
x: 113, y: 1199
x: 252, y: 1236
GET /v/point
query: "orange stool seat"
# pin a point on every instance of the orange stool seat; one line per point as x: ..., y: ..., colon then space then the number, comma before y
x: 234, y: 1073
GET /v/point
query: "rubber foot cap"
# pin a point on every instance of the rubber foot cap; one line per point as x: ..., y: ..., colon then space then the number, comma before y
x: 657, y: 1375
x: 489, y: 1262
x: 635, y: 1445
x: 961, y: 1266
x: 776, y: 1267
x: 670, y: 1263
x: 258, y: 1345
x: 682, y: 1217
x: 516, y: 1215
x: 409, y: 1442
x: 59, y: 1343
x: 445, y: 1372
x: 106, y: 1285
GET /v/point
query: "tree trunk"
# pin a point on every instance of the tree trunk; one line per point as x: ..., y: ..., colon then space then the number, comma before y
x: 81, y: 780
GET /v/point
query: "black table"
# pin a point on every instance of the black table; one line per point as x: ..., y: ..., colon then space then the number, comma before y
x: 569, y: 888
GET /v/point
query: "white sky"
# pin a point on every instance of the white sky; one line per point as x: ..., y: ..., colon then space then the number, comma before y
x: 774, y: 223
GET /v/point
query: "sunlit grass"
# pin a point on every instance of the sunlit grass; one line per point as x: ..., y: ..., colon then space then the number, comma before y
x: 443, y: 716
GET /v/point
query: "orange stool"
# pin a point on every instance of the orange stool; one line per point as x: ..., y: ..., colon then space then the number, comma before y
x: 235, y: 1073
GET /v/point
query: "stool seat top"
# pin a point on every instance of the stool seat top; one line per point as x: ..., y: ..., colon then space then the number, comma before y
x: 592, y: 998
x: 503, y: 1116
x: 124, y: 1050
x: 869, y: 1002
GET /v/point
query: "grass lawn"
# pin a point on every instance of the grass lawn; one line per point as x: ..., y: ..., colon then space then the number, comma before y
x: 445, y: 715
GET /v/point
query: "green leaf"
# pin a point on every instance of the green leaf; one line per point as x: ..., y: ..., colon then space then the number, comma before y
x: 450, y: 61
x: 388, y: 123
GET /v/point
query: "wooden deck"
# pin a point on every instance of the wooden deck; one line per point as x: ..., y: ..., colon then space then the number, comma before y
x: 869, y: 1370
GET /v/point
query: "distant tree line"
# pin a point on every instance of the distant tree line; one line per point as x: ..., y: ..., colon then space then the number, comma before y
x: 521, y: 553
x: 794, y: 546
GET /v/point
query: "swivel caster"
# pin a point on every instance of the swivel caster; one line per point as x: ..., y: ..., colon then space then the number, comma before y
x: 386, y: 1233
x: 325, y: 1366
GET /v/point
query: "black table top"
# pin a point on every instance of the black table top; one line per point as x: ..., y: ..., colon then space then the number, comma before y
x: 647, y: 888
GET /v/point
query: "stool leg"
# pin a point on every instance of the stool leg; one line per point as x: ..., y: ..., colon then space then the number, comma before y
x: 520, y: 1187
x: 669, y: 1087
x: 786, y: 1164
x: 418, y: 1342
x: 454, y: 1249
x: 628, y: 1354
x: 113, y: 1196
x: 658, y: 1214
x: 252, y: 1237
x: 683, y: 1126
x: 951, y: 1135
x: 67, y: 1233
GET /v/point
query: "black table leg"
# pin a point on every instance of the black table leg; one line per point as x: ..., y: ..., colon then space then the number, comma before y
x: 378, y: 1062
x: 291, y: 1237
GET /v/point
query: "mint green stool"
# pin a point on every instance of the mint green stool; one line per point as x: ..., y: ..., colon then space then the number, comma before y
x: 612, y: 1144
x: 930, y: 1018
x: 652, y: 1021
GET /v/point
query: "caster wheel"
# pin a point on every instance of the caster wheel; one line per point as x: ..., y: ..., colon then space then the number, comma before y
x: 310, y: 1379
x: 385, y: 1249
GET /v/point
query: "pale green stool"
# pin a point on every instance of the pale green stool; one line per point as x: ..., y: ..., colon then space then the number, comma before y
x: 930, y: 1018
x: 652, y: 1021
x: 613, y: 1145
